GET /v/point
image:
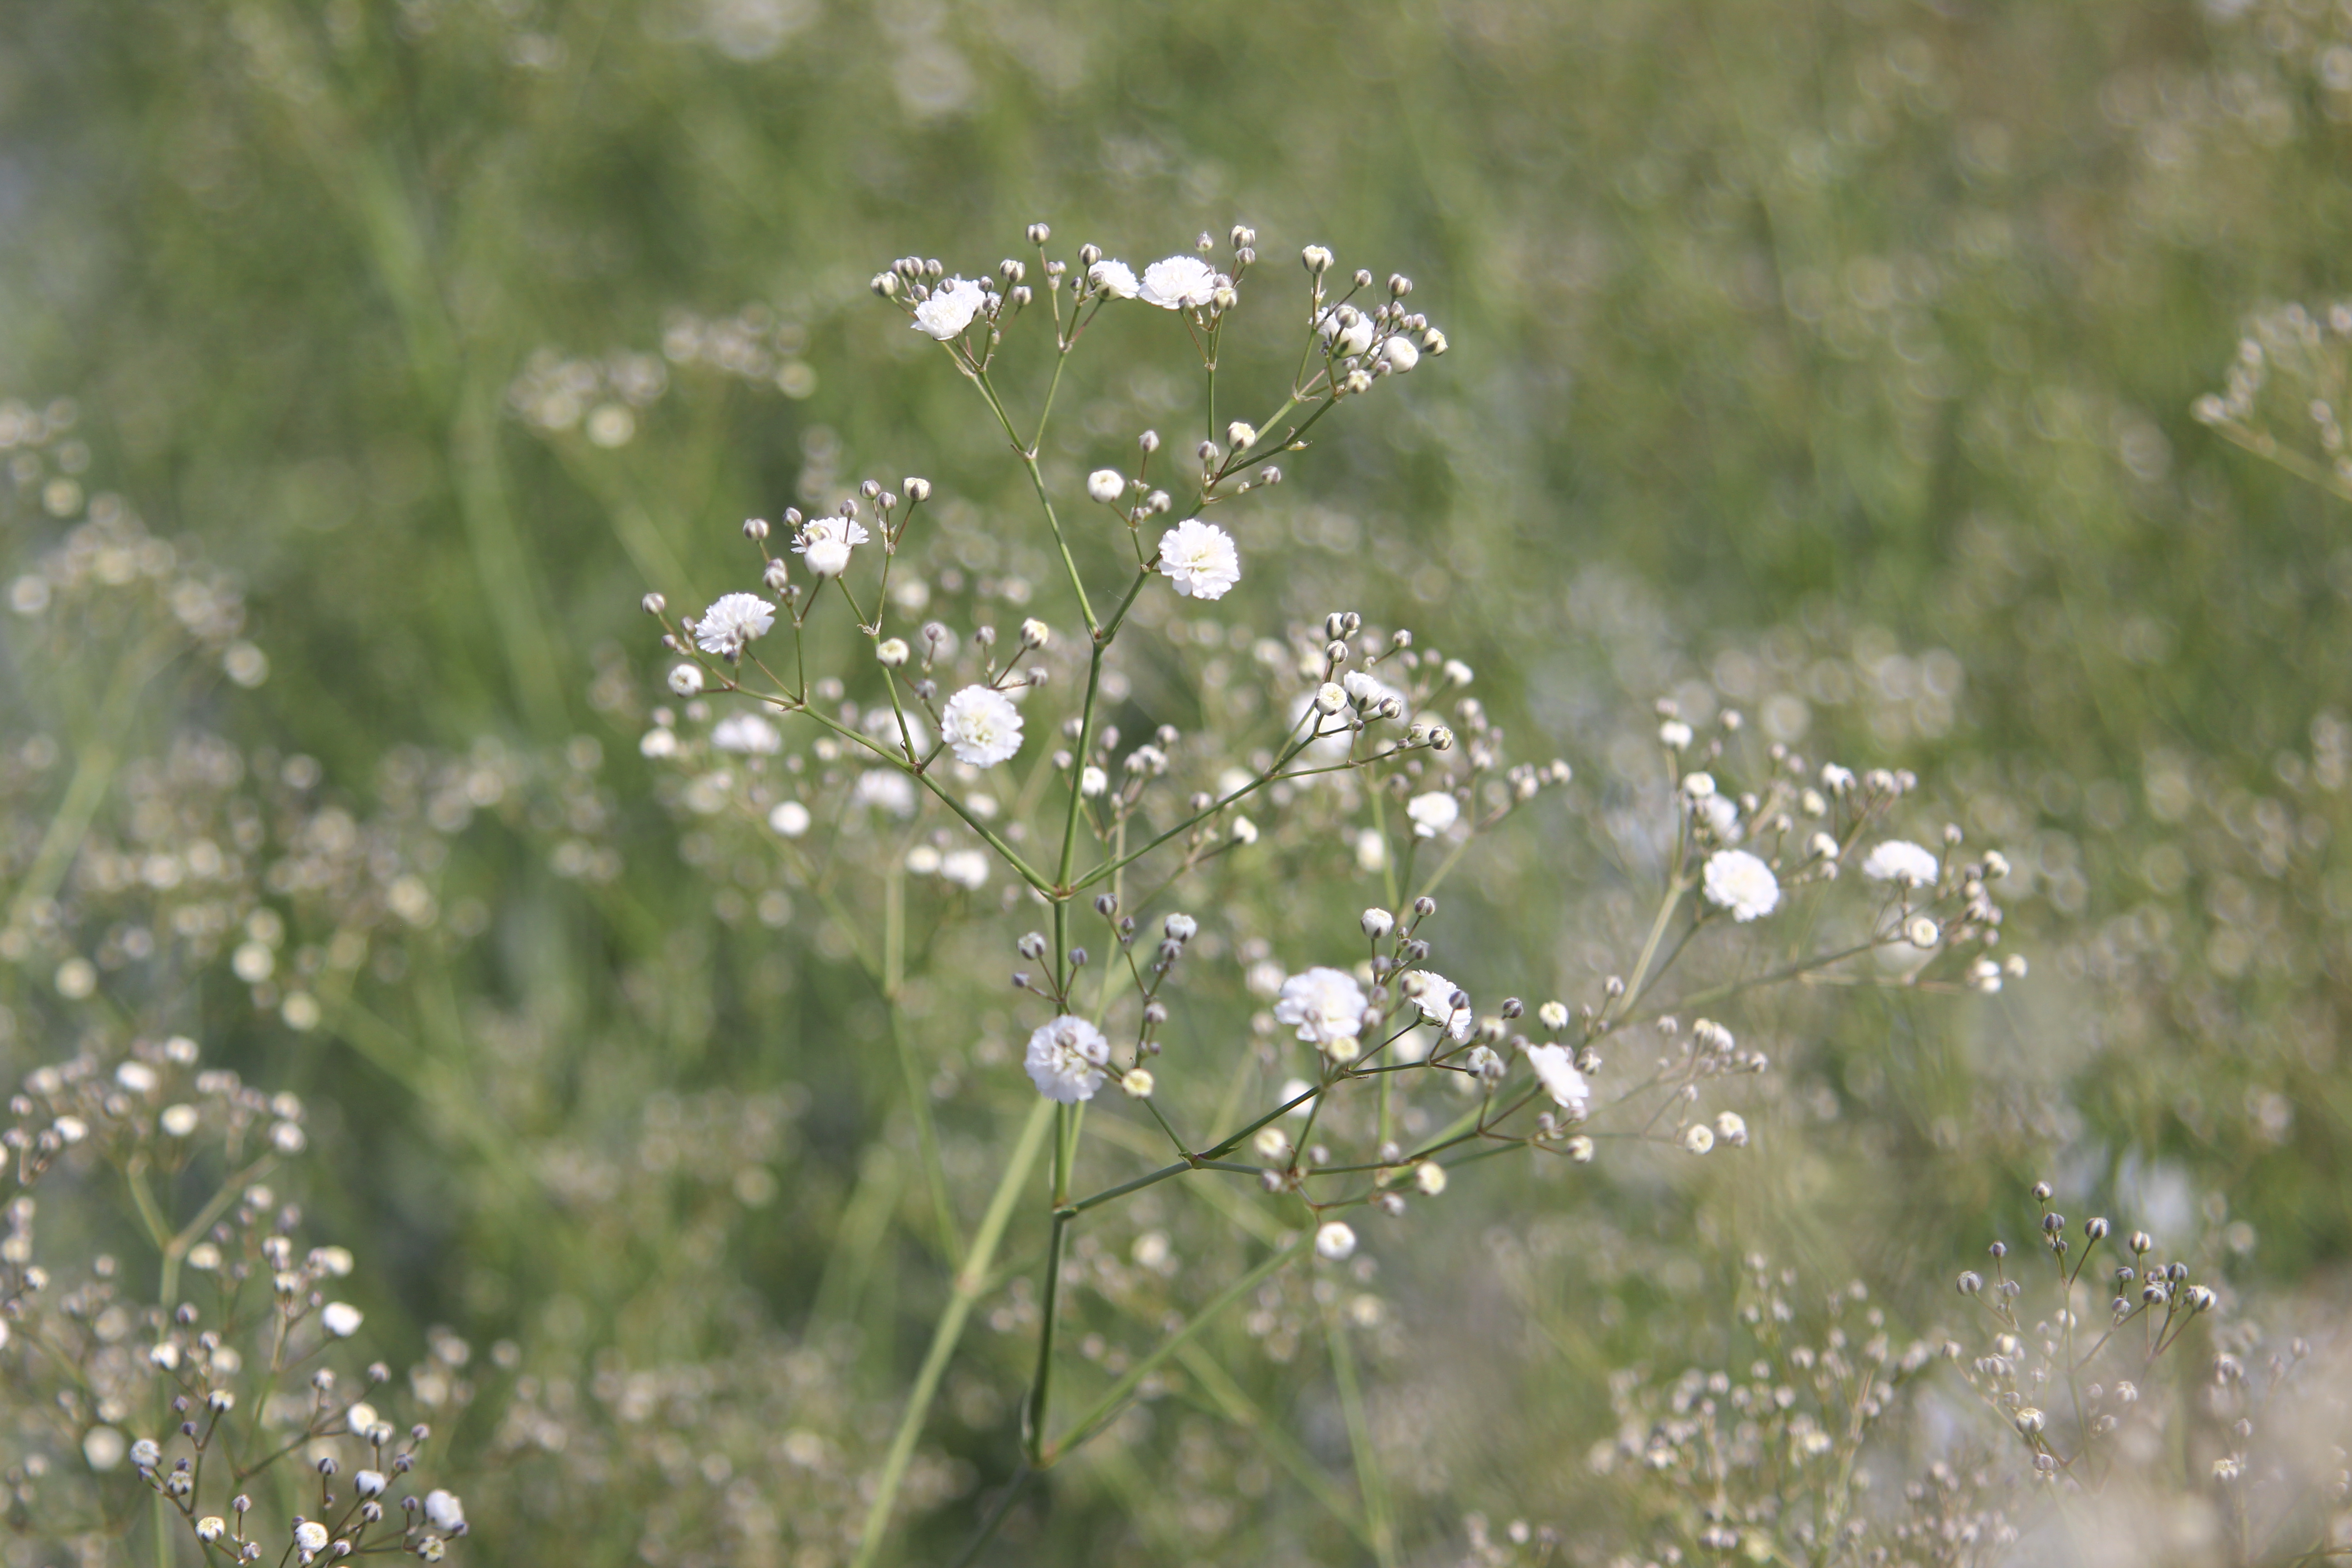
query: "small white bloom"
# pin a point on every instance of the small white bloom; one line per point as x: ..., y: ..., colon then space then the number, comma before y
x: 746, y: 733
x: 1556, y: 1071
x: 1347, y: 328
x: 1334, y: 1240
x: 369, y: 1483
x: 177, y: 1121
x: 731, y: 621
x: 1732, y: 1128
x: 1331, y: 697
x: 790, y: 818
x: 1291, y: 1089
x: 1899, y: 860
x: 1137, y: 1083
x: 1200, y: 558
x: 950, y: 307
x: 1429, y: 1177
x: 886, y: 789
x: 1326, y: 1007
x: 657, y: 745
x: 981, y: 726
x: 310, y: 1535
x: 1180, y: 282
x: 892, y: 652
x: 1377, y: 923
x: 1106, y: 485
x: 1402, y: 354
x: 137, y: 1077
x: 1066, y: 1059
x: 1433, y: 994
x: 1092, y: 781
x: 1822, y: 847
x: 444, y: 1509
x: 340, y: 1319
x: 1552, y: 1014
x: 1675, y: 734
x: 1273, y: 1145
x: 824, y: 543
x: 211, y: 1527
x: 1115, y: 279
x: 965, y: 867
x: 1739, y: 882
x: 1433, y: 814
x: 1245, y: 831
x: 1698, y: 785
x: 686, y: 680
x: 1835, y: 779
x: 1698, y: 1138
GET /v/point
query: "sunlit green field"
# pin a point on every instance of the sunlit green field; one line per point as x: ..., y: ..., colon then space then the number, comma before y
x: 1838, y: 364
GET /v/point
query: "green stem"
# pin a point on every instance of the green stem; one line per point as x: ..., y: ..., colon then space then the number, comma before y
x: 1369, y: 1480
x: 970, y: 1280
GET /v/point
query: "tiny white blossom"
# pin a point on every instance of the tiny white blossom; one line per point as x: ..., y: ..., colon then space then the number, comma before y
x: 1066, y: 1059
x: 657, y: 745
x: 1899, y: 860
x: 731, y: 621
x: 1115, y: 279
x: 1200, y: 558
x: 340, y: 1319
x: 1698, y: 785
x: 686, y: 680
x: 1180, y: 282
x: 1401, y: 353
x: 310, y: 1535
x: 965, y: 867
x: 1739, y: 882
x: 1137, y: 1082
x: 1092, y: 781
x: 1326, y: 1007
x: 887, y: 789
x: 1334, y: 1240
x: 790, y: 818
x: 445, y: 1512
x: 1245, y: 831
x: 369, y: 1483
x: 1732, y: 1128
x: 1106, y: 485
x: 746, y: 733
x: 824, y: 543
x: 1429, y: 1177
x: 1433, y: 814
x: 1698, y: 1138
x: 950, y: 307
x: 1433, y: 994
x: 1556, y: 1071
x: 981, y: 726
x: 1675, y: 734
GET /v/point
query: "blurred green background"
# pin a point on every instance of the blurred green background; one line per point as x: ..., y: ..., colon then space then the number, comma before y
x: 1831, y: 362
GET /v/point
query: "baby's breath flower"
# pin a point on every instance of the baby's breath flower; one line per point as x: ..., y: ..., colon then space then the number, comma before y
x: 445, y: 1510
x: 1434, y: 994
x: 1137, y: 1083
x: 790, y: 818
x: 825, y: 541
x: 1732, y: 1128
x: 892, y: 652
x: 950, y: 307
x: 686, y: 680
x: 1739, y: 882
x: 1335, y: 1240
x: 309, y: 1535
x: 1199, y: 558
x: 748, y: 735
x: 1113, y: 279
x: 1556, y: 1071
x: 1179, y: 283
x: 1400, y: 354
x: 1245, y: 831
x: 982, y: 725
x: 1106, y: 485
x: 1092, y: 781
x: 733, y: 621
x: 1429, y: 1177
x: 1698, y: 1138
x: 1326, y: 1007
x: 340, y: 1319
x: 1433, y: 814
x: 1066, y: 1059
x: 1900, y: 860
x: 1675, y: 734
x: 966, y: 869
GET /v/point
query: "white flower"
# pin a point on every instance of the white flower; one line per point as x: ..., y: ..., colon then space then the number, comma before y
x: 1066, y: 1059
x: 1675, y: 734
x: 1092, y: 781
x: 1400, y: 354
x: 1732, y: 1128
x: 1377, y: 923
x: 881, y: 723
x: 1200, y: 558
x: 734, y: 620
x: 1429, y: 1177
x: 886, y: 788
x: 1721, y: 817
x: 824, y: 543
x: 369, y: 1483
x: 1556, y: 1071
x: 1326, y: 1007
x: 1106, y: 485
x: 1114, y: 279
x: 310, y: 1535
x: 1334, y: 1240
x: 965, y: 867
x: 686, y: 680
x: 1698, y: 1138
x: 657, y: 745
x: 340, y: 1319
x: 981, y: 726
x: 444, y: 1509
x: 1291, y: 1089
x: 790, y: 818
x: 1137, y: 1082
x: 1698, y: 785
x: 1369, y: 691
x: 1899, y: 860
x: 1433, y: 814
x: 1435, y: 996
x: 1348, y: 329
x: 950, y: 307
x: 748, y: 733
x: 1180, y: 282
x: 1739, y: 882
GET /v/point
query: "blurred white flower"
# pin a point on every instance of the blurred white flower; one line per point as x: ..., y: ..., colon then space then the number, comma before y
x: 1433, y: 814
x: 950, y: 307
x: 1899, y: 860
x: 686, y: 680
x: 1066, y: 1059
x: 1326, y: 1007
x: 824, y: 543
x: 887, y: 789
x: 1106, y: 485
x: 981, y: 726
x: 445, y: 1512
x: 1433, y: 994
x: 1114, y: 279
x: 1180, y: 282
x: 746, y: 733
x: 340, y: 1319
x: 1739, y: 882
x: 1335, y: 1240
x: 1556, y: 1071
x: 731, y: 621
x: 965, y: 867
x: 1200, y: 558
